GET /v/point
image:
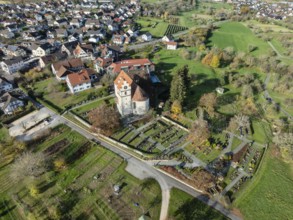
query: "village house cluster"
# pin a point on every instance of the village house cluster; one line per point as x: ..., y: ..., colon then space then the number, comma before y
x: 277, y: 10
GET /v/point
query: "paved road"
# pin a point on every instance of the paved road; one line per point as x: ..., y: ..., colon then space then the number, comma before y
x: 139, y: 166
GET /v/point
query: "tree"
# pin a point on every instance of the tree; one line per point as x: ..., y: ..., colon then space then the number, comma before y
x: 208, y: 101
x: 59, y: 163
x: 215, y: 62
x: 104, y: 119
x: 34, y: 191
x: 199, y: 131
x: 285, y: 142
x: 28, y: 165
x: 247, y: 91
x: 239, y: 121
x: 176, y: 107
x: 180, y: 85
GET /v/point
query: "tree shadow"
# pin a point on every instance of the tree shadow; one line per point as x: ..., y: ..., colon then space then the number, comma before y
x: 196, y: 91
x: 5, y: 209
x: 44, y: 186
x: 197, y: 209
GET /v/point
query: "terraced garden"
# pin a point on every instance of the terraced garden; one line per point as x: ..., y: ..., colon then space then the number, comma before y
x: 83, y: 188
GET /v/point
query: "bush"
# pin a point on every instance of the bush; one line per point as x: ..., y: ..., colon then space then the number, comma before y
x: 34, y: 191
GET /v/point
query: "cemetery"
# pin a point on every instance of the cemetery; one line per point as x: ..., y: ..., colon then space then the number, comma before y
x: 153, y: 137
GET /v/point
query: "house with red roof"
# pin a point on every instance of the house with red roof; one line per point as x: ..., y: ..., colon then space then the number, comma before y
x: 133, y: 64
x: 79, y: 81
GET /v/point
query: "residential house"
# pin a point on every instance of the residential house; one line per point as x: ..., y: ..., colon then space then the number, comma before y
x: 5, y: 85
x: 167, y: 38
x: 79, y: 81
x: 7, y: 34
x: 61, y: 22
x: 13, y: 65
x: 130, y: 97
x: 10, y: 103
x: 171, y: 45
x: 101, y: 64
x: 146, y: 37
x: 75, y: 22
x: 31, y: 36
x: 90, y: 23
x: 51, y: 58
x: 132, y: 64
x: 43, y: 50
x: 62, y: 68
x: 12, y: 50
x: 118, y: 39
x: 61, y: 33
x: 69, y: 47
x: 84, y: 51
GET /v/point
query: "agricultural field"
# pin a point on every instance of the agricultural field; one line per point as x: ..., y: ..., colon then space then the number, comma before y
x: 173, y: 29
x: 82, y: 188
x: 269, y: 195
x: 184, y: 206
x: 236, y: 35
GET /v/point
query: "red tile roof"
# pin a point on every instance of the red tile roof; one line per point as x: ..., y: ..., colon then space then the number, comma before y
x: 129, y: 63
x: 79, y: 78
x: 119, y: 81
x: 139, y: 95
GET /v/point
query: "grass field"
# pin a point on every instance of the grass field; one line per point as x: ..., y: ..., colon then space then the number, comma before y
x: 75, y: 189
x: 94, y: 104
x: 236, y: 35
x: 60, y: 97
x: 185, y: 207
x: 155, y: 26
x: 270, y: 194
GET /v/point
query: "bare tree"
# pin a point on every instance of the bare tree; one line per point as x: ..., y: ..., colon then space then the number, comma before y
x: 208, y: 101
x: 239, y: 121
x: 104, y: 119
x: 199, y: 131
x: 28, y: 164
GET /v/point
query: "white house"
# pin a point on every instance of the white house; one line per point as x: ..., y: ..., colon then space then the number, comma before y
x: 42, y: 50
x: 77, y: 82
x: 10, y: 103
x: 62, y: 68
x: 172, y: 45
x: 146, y: 37
x: 13, y: 65
x: 167, y: 38
x: 131, y: 98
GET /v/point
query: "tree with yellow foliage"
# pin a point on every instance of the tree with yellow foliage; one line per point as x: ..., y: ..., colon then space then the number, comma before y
x: 34, y: 191
x: 176, y: 108
x: 59, y: 164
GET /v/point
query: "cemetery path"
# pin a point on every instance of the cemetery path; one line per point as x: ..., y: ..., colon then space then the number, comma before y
x: 242, y: 174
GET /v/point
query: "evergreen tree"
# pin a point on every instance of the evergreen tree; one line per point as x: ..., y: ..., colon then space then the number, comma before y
x: 178, y: 89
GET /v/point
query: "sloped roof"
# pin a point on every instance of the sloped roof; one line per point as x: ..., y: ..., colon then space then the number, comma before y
x: 79, y: 78
x: 119, y: 81
x: 139, y: 95
x: 7, y: 98
x: 128, y: 63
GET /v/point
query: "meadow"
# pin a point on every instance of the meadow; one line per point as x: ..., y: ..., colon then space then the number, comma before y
x: 236, y: 35
x: 185, y: 207
x: 270, y: 194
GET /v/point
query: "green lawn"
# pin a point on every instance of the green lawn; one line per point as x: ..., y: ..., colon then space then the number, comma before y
x: 235, y: 143
x: 157, y: 27
x: 270, y: 194
x: 185, y: 207
x: 61, y: 97
x: 236, y: 35
x: 94, y: 104
x: 75, y: 188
